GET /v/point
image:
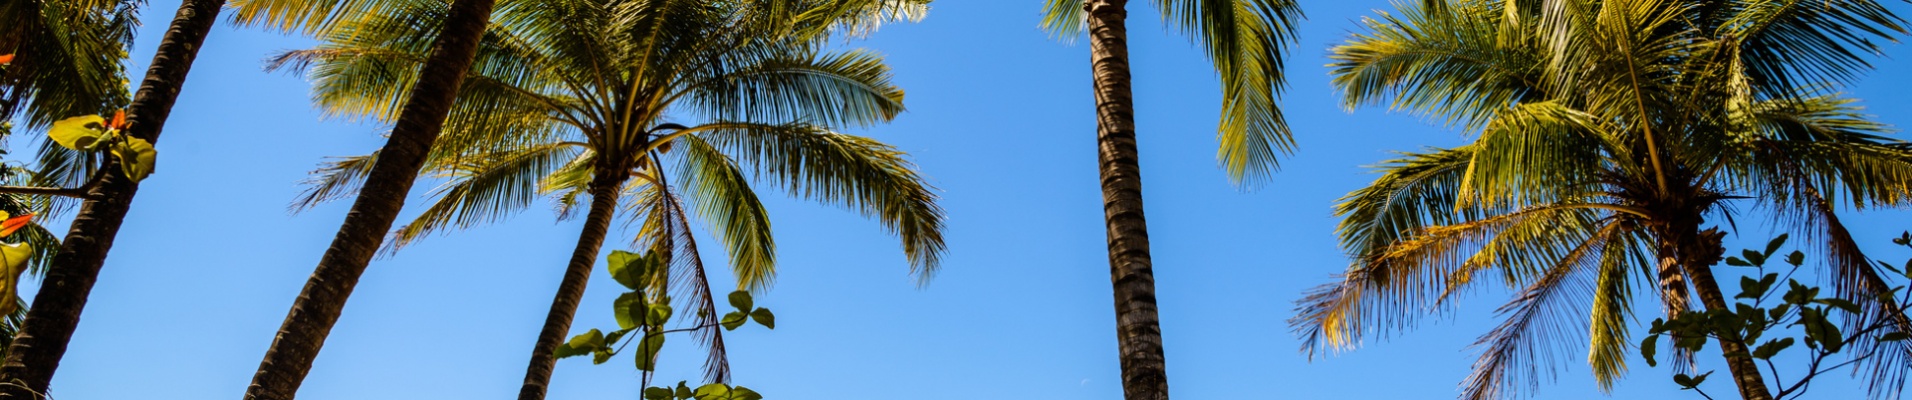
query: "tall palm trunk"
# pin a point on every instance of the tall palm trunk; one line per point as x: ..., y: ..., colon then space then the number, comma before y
x: 557, y: 324
x: 35, y: 353
x: 1702, y: 250
x: 1138, y: 331
x: 323, y: 298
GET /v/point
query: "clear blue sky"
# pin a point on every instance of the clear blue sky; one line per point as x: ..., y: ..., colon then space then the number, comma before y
x: 1000, y: 118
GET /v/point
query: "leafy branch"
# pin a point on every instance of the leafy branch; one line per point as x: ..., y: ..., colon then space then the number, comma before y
x: 641, y: 316
x: 1799, y: 306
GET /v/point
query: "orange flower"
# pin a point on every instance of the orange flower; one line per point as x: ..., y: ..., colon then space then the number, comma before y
x: 13, y: 224
x: 119, y: 120
x: 5, y: 59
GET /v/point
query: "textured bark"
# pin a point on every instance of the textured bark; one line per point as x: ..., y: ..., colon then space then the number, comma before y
x: 1700, y: 251
x: 35, y: 353
x: 323, y: 298
x: 1138, y: 331
x: 557, y: 324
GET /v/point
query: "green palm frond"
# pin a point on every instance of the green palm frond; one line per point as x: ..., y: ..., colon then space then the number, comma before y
x: 1540, y: 322
x: 485, y: 188
x: 1245, y: 40
x: 864, y: 175
x: 66, y: 58
x: 721, y: 194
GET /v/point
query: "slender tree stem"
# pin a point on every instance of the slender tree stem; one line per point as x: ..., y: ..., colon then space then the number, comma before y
x: 320, y: 303
x: 36, y: 350
x: 1138, y: 329
x: 577, y: 275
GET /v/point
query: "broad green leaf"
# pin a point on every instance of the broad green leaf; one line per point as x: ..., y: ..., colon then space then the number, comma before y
x: 136, y: 157
x: 1753, y: 257
x: 601, y: 355
x: 627, y: 268
x: 1647, y: 348
x: 744, y: 393
x: 630, y: 308
x: 1772, y: 348
x: 1796, y: 258
x: 13, y: 256
x: 78, y: 133
x: 1773, y: 246
x: 741, y: 300
x: 764, y: 317
x: 1894, y: 337
x: 713, y: 391
x: 647, y: 352
x: 659, y: 314
x: 1735, y: 261
x: 683, y: 390
x: 734, y: 320
x: 657, y: 393
x: 582, y: 344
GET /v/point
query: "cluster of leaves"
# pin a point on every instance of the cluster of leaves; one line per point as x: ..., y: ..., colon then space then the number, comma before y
x: 96, y: 133
x: 1755, y: 319
x: 712, y: 391
x: 641, y: 317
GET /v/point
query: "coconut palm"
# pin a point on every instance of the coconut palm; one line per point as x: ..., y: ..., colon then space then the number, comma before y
x: 1608, y: 133
x: 1245, y: 39
x: 592, y: 98
x: 35, y: 351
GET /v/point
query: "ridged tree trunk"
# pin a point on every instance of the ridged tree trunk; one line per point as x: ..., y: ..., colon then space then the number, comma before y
x: 557, y: 324
x: 1700, y: 250
x: 323, y: 298
x: 1138, y: 331
x: 35, y: 353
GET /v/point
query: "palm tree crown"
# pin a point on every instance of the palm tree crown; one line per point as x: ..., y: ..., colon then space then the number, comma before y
x: 1607, y: 132
x: 567, y: 96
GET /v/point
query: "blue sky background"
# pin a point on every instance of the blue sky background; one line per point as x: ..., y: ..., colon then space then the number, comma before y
x: 1000, y: 118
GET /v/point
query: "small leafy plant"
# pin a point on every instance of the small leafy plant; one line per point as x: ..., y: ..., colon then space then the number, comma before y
x: 97, y: 133
x: 641, y: 317
x: 1764, y: 317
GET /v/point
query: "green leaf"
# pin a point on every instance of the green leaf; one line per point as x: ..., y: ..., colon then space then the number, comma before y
x: 713, y: 391
x: 1894, y: 337
x: 1647, y: 348
x: 1772, y: 348
x: 657, y: 393
x: 581, y: 344
x: 744, y: 393
x: 1748, y: 288
x: 79, y: 133
x: 137, y: 158
x: 647, y: 352
x: 1735, y: 261
x: 1753, y: 257
x: 601, y: 355
x: 1842, y: 304
x: 734, y: 320
x: 741, y: 300
x: 1796, y: 258
x: 764, y: 317
x: 1773, y: 246
x: 659, y: 314
x: 683, y: 390
x: 628, y: 269
x: 630, y: 308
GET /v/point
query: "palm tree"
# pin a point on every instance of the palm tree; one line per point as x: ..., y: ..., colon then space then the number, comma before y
x: 35, y: 351
x: 577, y: 97
x: 1245, y: 39
x: 1608, y: 132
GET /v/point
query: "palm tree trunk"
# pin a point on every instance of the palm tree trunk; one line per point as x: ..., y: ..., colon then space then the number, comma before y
x: 35, y: 353
x: 557, y: 324
x: 1699, y: 250
x: 323, y: 298
x: 1138, y: 332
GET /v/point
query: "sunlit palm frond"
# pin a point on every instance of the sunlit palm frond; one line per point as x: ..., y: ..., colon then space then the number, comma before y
x: 721, y: 194
x: 858, y: 173
x: 485, y: 188
x: 1541, y: 322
